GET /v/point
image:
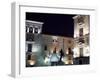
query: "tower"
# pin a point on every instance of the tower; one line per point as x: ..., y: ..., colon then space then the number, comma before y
x: 81, y: 38
x: 33, y: 42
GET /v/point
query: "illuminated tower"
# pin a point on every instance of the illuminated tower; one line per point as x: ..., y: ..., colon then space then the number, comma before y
x: 33, y: 41
x: 81, y: 37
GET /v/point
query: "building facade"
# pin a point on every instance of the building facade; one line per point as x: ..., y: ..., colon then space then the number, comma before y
x: 81, y: 39
x: 49, y: 50
x: 33, y: 43
x: 40, y: 47
x: 63, y: 46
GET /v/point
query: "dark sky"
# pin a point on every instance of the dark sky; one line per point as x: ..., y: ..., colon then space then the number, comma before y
x: 54, y: 24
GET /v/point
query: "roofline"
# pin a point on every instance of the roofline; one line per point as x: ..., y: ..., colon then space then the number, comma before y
x: 37, y: 22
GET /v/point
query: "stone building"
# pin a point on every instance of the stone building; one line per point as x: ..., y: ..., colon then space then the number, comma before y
x: 33, y: 43
x: 39, y: 46
x: 64, y: 44
x: 69, y: 50
x: 81, y: 39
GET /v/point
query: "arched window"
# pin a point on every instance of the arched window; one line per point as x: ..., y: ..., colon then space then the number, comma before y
x: 36, y: 30
x: 31, y: 30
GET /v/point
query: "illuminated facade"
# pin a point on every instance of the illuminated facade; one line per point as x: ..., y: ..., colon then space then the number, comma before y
x: 62, y: 45
x: 81, y: 38
x: 50, y: 50
x: 40, y: 47
x: 33, y: 42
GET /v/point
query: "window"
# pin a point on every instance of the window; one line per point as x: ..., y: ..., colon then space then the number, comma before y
x: 87, y: 40
x: 81, y: 32
x: 69, y: 41
x: 81, y: 20
x: 36, y: 30
x: 29, y: 57
x: 81, y: 39
x: 31, y: 30
x: 45, y: 47
x: 29, y: 37
x: 29, y: 47
x: 81, y: 52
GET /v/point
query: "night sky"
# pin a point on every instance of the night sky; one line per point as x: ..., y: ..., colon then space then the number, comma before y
x: 54, y: 24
